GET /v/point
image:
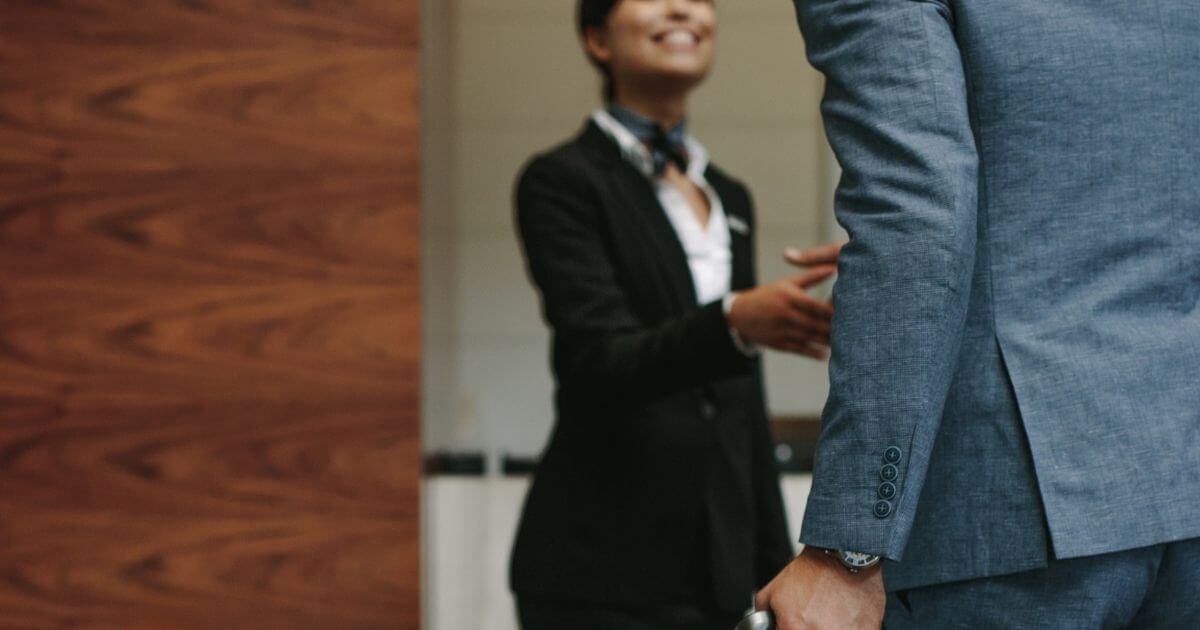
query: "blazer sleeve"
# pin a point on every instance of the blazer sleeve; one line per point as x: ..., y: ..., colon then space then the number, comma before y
x: 773, y: 545
x: 896, y: 113
x: 601, y: 346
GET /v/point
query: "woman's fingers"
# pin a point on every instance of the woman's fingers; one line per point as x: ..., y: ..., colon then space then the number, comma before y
x: 801, y: 321
x: 805, y: 349
x: 820, y: 255
x: 806, y: 303
x: 784, y: 317
x: 814, y: 276
x: 804, y: 336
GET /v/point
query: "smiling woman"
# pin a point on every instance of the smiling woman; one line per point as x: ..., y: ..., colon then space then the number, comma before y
x: 510, y: 79
x: 650, y: 47
x: 657, y: 502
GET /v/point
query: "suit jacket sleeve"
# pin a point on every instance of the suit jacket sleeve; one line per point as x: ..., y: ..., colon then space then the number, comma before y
x: 601, y: 344
x: 896, y: 113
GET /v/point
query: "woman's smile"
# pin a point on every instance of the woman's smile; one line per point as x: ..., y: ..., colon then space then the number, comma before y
x: 677, y: 38
x: 656, y: 45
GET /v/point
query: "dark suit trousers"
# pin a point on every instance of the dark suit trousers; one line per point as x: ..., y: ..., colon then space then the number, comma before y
x: 1151, y: 588
x: 548, y: 615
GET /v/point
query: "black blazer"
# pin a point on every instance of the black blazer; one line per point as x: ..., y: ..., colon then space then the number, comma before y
x: 658, y: 485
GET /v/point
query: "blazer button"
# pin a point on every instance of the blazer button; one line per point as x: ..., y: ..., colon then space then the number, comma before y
x: 892, y: 455
x: 887, y: 490
x: 883, y: 509
x: 708, y: 411
x: 889, y: 473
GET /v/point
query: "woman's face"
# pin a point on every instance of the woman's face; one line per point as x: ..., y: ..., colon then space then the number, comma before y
x: 657, y: 42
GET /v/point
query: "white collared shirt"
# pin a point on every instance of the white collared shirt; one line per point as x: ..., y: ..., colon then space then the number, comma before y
x: 707, y: 247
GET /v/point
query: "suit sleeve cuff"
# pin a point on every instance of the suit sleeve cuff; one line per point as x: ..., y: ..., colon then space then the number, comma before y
x: 743, y: 346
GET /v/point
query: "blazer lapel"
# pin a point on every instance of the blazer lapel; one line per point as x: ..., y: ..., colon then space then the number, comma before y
x: 638, y: 205
x: 741, y: 235
x: 644, y: 208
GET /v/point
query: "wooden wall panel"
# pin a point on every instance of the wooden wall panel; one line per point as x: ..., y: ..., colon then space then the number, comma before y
x: 209, y: 314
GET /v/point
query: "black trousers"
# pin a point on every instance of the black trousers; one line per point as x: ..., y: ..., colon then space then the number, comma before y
x: 550, y: 615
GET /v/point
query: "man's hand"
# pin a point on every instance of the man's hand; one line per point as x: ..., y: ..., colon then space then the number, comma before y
x: 783, y: 316
x: 816, y: 592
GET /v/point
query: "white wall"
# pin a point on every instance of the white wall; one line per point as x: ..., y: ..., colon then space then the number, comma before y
x: 506, y: 79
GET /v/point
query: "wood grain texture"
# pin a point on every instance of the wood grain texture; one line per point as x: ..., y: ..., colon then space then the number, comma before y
x: 209, y: 314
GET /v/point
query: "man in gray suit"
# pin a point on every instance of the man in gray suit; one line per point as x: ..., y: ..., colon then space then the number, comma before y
x: 1014, y: 415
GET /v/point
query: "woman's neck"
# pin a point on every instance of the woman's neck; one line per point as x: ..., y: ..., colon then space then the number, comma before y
x: 666, y: 111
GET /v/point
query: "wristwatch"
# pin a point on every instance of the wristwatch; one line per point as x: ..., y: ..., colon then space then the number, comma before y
x: 853, y: 561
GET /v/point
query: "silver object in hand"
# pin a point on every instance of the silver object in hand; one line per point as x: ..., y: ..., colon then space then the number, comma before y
x: 757, y: 620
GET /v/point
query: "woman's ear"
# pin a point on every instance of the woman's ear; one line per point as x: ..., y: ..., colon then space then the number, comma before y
x: 595, y: 39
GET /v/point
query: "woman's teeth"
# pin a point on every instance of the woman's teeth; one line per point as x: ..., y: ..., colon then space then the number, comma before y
x: 682, y: 38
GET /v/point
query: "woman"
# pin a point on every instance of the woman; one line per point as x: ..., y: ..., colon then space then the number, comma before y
x: 657, y: 503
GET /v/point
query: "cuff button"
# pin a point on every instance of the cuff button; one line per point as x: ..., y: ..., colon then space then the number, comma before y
x: 887, y: 490
x: 883, y: 509
x: 892, y: 455
x: 889, y: 473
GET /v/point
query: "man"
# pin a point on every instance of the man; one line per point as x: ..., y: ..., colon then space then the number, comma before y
x: 1014, y: 414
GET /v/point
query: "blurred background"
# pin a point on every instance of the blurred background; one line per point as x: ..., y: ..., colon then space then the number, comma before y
x: 268, y: 354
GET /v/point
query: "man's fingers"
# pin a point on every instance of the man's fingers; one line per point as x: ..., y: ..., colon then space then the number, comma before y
x: 820, y: 255
x: 762, y: 601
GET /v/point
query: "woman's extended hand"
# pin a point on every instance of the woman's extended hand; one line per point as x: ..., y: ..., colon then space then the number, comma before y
x: 783, y: 316
x: 820, y: 255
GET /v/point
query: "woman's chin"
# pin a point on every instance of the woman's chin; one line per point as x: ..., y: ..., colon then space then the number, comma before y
x: 678, y: 76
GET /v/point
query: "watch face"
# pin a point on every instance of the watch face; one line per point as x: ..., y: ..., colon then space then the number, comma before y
x: 858, y: 560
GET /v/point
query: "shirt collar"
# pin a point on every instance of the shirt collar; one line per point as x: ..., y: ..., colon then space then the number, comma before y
x: 636, y: 153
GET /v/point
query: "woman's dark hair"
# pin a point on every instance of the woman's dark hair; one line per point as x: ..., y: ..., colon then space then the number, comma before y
x: 594, y: 14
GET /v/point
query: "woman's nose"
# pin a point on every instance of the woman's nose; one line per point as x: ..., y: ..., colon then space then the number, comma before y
x: 679, y: 7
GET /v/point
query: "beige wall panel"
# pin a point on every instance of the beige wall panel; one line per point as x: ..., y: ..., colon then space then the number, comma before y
x: 488, y: 157
x: 520, y: 70
x: 492, y: 282
x: 761, y: 75
x: 781, y: 164
x: 557, y: 10
x: 504, y: 396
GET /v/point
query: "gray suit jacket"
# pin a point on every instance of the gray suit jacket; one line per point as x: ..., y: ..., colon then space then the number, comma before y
x: 1016, y: 352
